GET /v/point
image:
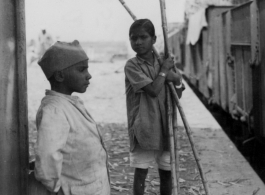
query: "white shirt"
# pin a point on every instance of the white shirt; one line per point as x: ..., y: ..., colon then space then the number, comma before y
x: 69, y: 150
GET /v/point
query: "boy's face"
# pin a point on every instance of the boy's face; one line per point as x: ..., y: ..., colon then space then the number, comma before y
x: 77, y: 77
x: 141, y: 41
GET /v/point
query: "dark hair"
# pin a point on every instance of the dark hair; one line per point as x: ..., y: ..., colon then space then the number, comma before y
x: 143, y: 23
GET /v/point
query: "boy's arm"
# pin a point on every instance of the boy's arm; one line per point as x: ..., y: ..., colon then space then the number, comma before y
x: 53, y: 130
x: 136, y: 76
x: 154, y: 88
x: 140, y: 82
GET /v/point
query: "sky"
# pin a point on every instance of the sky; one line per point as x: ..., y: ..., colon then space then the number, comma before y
x: 94, y: 20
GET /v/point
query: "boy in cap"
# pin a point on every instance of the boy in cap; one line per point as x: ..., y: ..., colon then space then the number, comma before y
x: 70, y: 154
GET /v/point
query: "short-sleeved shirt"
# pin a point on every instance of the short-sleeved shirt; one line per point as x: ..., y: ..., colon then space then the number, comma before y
x: 146, y: 115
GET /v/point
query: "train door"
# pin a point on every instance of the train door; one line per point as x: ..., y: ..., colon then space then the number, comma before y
x: 228, y: 60
x: 242, y: 33
x: 223, y: 92
x: 211, y: 39
x: 216, y: 62
x: 229, y: 69
x: 219, y: 81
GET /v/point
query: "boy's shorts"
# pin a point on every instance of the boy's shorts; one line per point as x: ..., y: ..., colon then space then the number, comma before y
x: 142, y: 159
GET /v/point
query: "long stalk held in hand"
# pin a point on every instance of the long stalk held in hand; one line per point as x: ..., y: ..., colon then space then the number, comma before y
x: 172, y: 144
x: 128, y: 10
x: 187, y: 127
x: 173, y: 136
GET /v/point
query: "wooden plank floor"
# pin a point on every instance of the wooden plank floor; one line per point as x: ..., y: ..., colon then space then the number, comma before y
x: 227, y: 171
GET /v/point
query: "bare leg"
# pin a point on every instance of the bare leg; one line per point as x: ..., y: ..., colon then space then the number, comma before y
x: 165, y: 182
x: 139, y: 181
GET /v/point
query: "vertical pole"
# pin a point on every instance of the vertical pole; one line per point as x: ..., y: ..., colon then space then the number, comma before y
x: 13, y: 99
x: 172, y: 144
x: 173, y: 136
x: 177, y: 145
x: 22, y: 94
x: 164, y: 27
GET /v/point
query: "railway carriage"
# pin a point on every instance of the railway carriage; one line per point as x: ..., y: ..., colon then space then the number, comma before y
x: 226, y: 65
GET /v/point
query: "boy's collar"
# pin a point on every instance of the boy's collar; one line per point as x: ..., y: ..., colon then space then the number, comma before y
x: 145, y: 61
x: 68, y: 97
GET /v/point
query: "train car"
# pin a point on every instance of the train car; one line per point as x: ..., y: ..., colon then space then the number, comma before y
x: 222, y: 63
x: 243, y: 44
x: 226, y: 64
x: 226, y: 67
x: 200, y: 57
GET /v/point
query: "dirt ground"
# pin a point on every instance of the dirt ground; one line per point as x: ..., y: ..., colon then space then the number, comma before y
x: 105, y: 100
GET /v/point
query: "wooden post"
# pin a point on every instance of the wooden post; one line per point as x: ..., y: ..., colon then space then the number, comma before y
x: 13, y: 99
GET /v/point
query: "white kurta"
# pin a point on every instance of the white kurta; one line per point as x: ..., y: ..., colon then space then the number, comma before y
x: 69, y: 150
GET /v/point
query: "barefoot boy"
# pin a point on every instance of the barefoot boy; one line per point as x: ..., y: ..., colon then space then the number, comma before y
x: 70, y: 155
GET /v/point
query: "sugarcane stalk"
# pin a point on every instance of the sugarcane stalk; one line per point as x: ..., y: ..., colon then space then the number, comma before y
x: 188, y: 131
x: 165, y: 29
x: 171, y: 139
x: 128, y: 9
x: 164, y: 25
x: 177, y: 146
x: 175, y: 172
